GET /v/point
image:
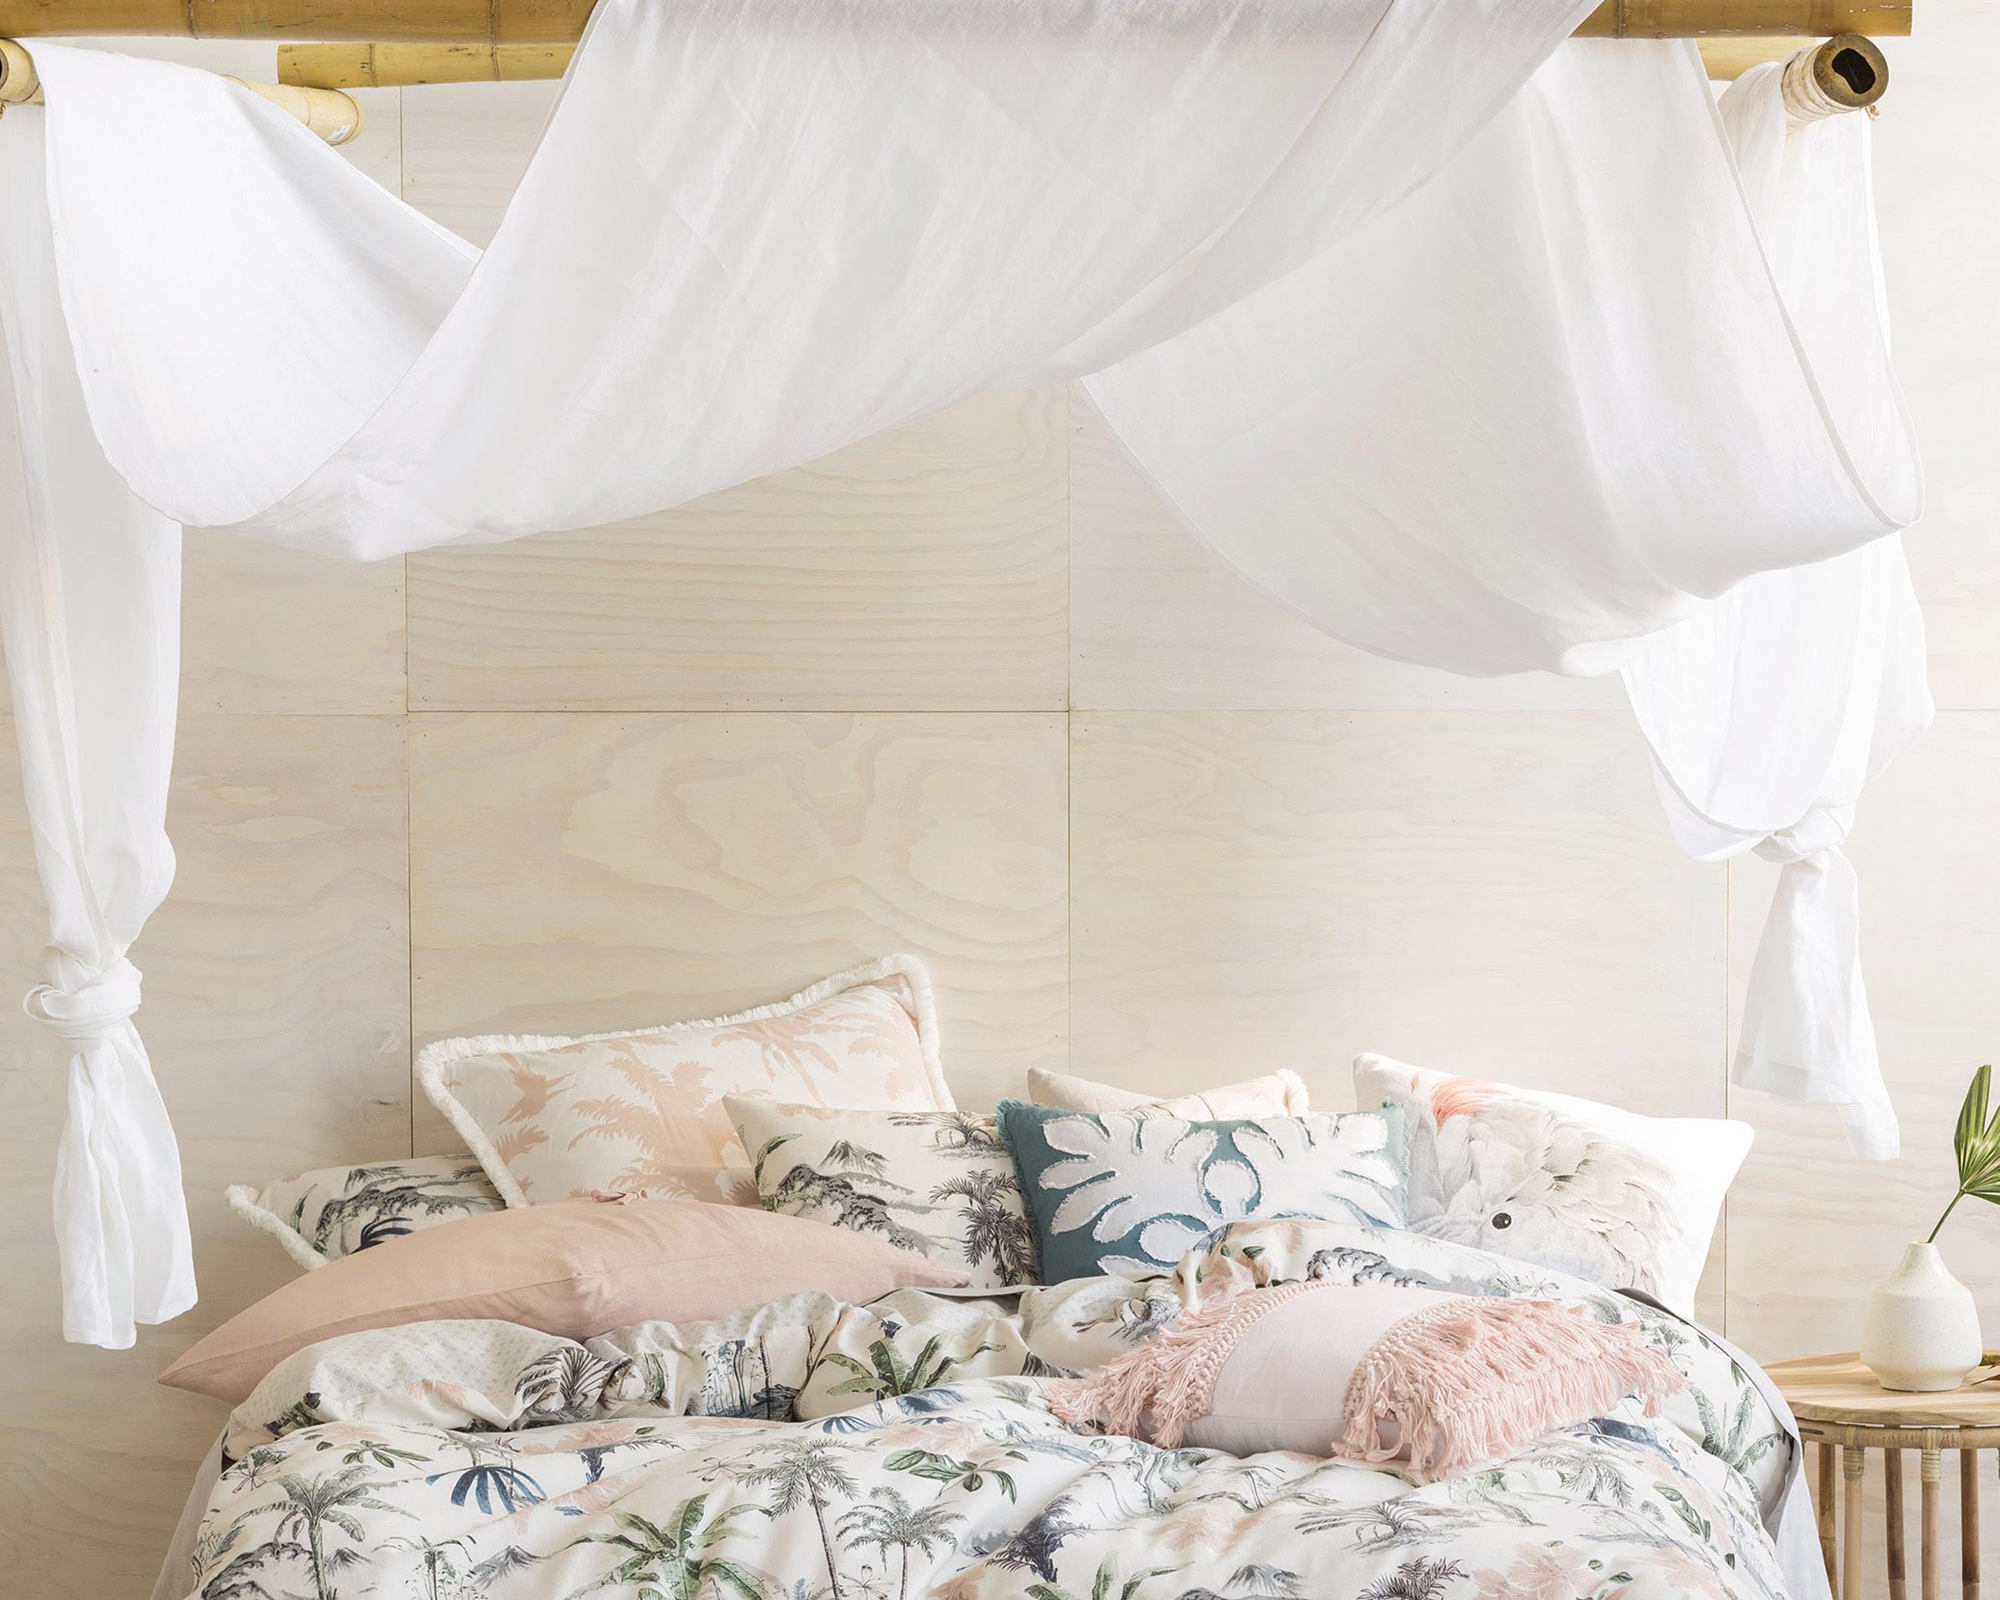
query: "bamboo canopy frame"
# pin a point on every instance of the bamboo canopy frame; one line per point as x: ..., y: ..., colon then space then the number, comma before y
x: 383, y: 65
x: 326, y: 111
x: 544, y: 22
x: 485, y: 41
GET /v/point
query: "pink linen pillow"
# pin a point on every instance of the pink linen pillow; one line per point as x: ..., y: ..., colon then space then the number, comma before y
x: 1371, y: 1372
x: 1278, y: 1094
x: 574, y: 1268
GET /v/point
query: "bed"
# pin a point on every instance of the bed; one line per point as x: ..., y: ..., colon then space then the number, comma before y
x: 807, y: 1447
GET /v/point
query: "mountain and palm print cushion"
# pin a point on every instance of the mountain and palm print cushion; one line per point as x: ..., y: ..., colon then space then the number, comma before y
x: 1565, y: 1184
x: 322, y: 1215
x: 1131, y: 1192
x: 939, y: 1183
x: 558, y: 1119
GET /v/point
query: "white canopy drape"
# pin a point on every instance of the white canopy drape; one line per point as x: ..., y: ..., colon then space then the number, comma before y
x: 1491, y: 377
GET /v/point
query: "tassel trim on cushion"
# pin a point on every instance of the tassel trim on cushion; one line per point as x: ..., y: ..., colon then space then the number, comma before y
x: 1468, y: 1381
x: 1475, y: 1380
x: 1169, y: 1381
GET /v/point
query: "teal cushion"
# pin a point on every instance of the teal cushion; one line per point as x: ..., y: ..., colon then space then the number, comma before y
x: 1131, y: 1194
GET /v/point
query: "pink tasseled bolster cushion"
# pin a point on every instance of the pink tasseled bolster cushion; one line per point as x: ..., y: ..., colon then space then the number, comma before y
x: 1370, y: 1372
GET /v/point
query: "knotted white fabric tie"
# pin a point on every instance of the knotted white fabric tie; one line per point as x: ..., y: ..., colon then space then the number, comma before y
x: 91, y: 1011
x: 126, y: 1254
x: 1806, y: 1031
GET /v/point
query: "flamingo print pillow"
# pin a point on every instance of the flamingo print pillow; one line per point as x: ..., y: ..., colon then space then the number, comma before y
x: 1130, y: 1192
x: 1561, y: 1183
x: 560, y: 1119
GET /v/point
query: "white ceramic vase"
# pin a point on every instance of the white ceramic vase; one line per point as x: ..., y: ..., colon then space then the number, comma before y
x: 1922, y: 1328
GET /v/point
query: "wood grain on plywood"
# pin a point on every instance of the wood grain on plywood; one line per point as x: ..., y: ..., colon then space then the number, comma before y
x: 924, y: 568
x: 270, y: 630
x: 584, y: 872
x: 1492, y: 894
x: 465, y: 146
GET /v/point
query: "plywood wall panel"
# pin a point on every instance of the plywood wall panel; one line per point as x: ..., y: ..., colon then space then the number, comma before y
x: 1488, y: 894
x: 1939, y: 248
x: 277, y: 1018
x: 1159, y: 623
x: 579, y: 873
x: 270, y: 630
x: 924, y: 568
x: 465, y: 146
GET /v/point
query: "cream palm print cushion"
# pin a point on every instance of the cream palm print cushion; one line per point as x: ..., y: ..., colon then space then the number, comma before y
x: 556, y: 1119
x: 939, y: 1183
x: 1565, y: 1184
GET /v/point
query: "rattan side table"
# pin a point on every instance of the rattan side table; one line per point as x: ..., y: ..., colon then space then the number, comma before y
x: 1842, y: 1408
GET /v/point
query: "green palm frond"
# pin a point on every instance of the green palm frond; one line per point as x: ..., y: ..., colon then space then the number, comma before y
x: 1976, y: 1143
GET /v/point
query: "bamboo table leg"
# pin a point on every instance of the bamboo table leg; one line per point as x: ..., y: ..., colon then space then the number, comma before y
x: 1853, y: 1460
x: 1931, y: 1472
x: 1968, y: 1522
x: 1825, y: 1509
x: 1892, y: 1501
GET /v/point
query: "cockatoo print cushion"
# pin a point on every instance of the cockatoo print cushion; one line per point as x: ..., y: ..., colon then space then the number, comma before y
x: 1561, y: 1183
x: 1130, y: 1192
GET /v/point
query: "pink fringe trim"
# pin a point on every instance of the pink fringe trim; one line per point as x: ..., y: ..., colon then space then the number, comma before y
x: 1465, y: 1382
x: 1169, y: 1381
x: 1434, y: 1375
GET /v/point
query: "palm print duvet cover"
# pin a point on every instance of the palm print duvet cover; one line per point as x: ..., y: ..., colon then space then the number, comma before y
x: 811, y: 1450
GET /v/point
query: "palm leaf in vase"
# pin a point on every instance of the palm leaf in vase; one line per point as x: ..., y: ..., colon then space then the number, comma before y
x: 1976, y: 1143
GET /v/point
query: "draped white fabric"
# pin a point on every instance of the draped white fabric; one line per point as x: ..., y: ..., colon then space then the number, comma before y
x: 1768, y: 711
x: 1488, y: 377
x: 90, y: 616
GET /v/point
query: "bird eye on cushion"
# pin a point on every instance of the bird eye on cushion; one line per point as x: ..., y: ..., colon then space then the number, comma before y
x: 1561, y: 1183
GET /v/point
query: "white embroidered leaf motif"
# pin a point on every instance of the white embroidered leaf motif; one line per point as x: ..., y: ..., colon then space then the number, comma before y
x: 1321, y: 1166
x: 1126, y: 1172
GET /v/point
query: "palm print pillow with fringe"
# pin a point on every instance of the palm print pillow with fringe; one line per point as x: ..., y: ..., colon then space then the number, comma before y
x: 322, y: 1215
x: 641, y: 1110
x: 939, y: 1183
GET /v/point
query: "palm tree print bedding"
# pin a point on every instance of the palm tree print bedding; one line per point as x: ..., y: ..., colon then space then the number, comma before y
x: 810, y: 1450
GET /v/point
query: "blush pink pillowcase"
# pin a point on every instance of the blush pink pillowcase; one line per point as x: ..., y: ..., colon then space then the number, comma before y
x: 574, y: 1268
x: 1371, y: 1372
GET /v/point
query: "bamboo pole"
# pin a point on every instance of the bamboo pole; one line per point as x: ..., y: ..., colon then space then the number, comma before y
x: 1698, y: 19
x: 384, y: 65
x: 334, y: 116
x: 502, y: 22
x: 371, y: 66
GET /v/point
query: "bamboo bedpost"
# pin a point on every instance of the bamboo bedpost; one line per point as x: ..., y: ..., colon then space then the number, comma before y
x: 334, y: 116
x: 1847, y: 73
